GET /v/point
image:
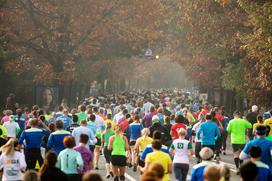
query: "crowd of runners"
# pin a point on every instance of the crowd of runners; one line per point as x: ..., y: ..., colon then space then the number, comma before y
x: 155, y: 133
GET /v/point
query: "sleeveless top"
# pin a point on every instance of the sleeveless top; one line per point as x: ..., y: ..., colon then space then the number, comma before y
x: 118, y: 146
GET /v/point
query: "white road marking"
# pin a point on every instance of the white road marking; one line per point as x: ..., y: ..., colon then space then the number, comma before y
x: 129, y: 177
x: 232, y: 167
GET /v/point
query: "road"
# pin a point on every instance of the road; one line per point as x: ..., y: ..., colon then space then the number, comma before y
x: 134, y: 176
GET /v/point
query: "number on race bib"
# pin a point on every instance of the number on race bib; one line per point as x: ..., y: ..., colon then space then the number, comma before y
x: 180, y: 145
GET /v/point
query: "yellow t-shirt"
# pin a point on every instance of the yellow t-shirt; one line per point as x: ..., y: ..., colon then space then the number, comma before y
x: 112, y: 124
x: 256, y: 125
x: 143, y: 142
x: 162, y: 158
x: 269, y: 123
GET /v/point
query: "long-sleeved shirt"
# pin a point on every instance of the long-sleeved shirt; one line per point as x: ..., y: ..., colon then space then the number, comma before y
x: 84, y: 130
x: 33, y: 137
x: 55, y: 140
x: 69, y: 161
x: 210, y: 132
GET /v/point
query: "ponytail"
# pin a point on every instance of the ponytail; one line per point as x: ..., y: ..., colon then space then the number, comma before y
x: 9, y: 148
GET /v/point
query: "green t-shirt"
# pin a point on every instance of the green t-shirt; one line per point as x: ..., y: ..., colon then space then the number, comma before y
x: 269, y: 137
x: 106, y: 137
x: 81, y: 116
x: 237, y: 129
x: 118, y: 146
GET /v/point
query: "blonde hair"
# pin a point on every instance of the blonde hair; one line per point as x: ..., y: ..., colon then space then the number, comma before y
x: 182, y: 132
x: 9, y: 148
x: 145, y: 132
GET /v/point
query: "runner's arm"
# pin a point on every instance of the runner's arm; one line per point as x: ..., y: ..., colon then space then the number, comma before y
x: 110, y: 143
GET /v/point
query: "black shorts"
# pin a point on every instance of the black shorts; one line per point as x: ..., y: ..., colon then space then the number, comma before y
x: 118, y: 160
x: 98, y: 142
x: 237, y: 147
x: 132, y: 143
x: 107, y: 154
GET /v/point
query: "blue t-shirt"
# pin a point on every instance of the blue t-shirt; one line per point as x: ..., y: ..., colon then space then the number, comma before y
x: 210, y: 132
x: 148, y: 149
x: 264, y: 173
x: 198, y: 170
x: 67, y: 121
x: 135, y: 131
x: 266, y: 147
x: 55, y: 140
x: 33, y: 137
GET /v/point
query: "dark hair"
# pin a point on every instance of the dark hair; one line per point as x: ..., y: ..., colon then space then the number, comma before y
x: 82, y: 108
x: 89, y: 176
x: 108, y: 116
x: 52, y: 127
x: 60, y: 108
x: 255, y: 152
x: 156, y: 144
x: 260, y: 118
x: 128, y: 116
x: 261, y: 130
x: 92, y: 117
x: 208, y: 116
x: 152, y: 109
x: 237, y: 113
x: 125, y: 111
x: 69, y: 141
x: 180, y: 119
x: 59, y: 124
x: 95, y: 109
x: 249, y: 171
x: 84, y: 138
x: 157, y: 135
x: 49, y: 162
x: 75, y: 118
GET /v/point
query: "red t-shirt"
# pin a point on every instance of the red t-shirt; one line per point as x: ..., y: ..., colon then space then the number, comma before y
x: 123, y: 125
x: 175, y: 129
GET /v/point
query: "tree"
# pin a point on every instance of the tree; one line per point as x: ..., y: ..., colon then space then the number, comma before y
x: 60, y: 41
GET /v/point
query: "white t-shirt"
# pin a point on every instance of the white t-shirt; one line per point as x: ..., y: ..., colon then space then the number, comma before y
x: 147, y: 106
x: 11, y: 127
x: 12, y: 166
x: 181, y: 147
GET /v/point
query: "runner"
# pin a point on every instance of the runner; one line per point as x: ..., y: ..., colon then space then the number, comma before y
x: 157, y: 156
x: 107, y: 153
x: 264, y: 144
x: 179, y: 150
x: 83, y: 129
x: 12, y: 127
x: 209, y: 131
x: 237, y: 129
x: 140, y: 145
x: 55, y: 140
x: 86, y: 154
x: 12, y: 161
x: 33, y: 139
x: 206, y: 155
x: 264, y: 173
x: 135, y: 129
x: 118, y: 145
x: 69, y: 160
